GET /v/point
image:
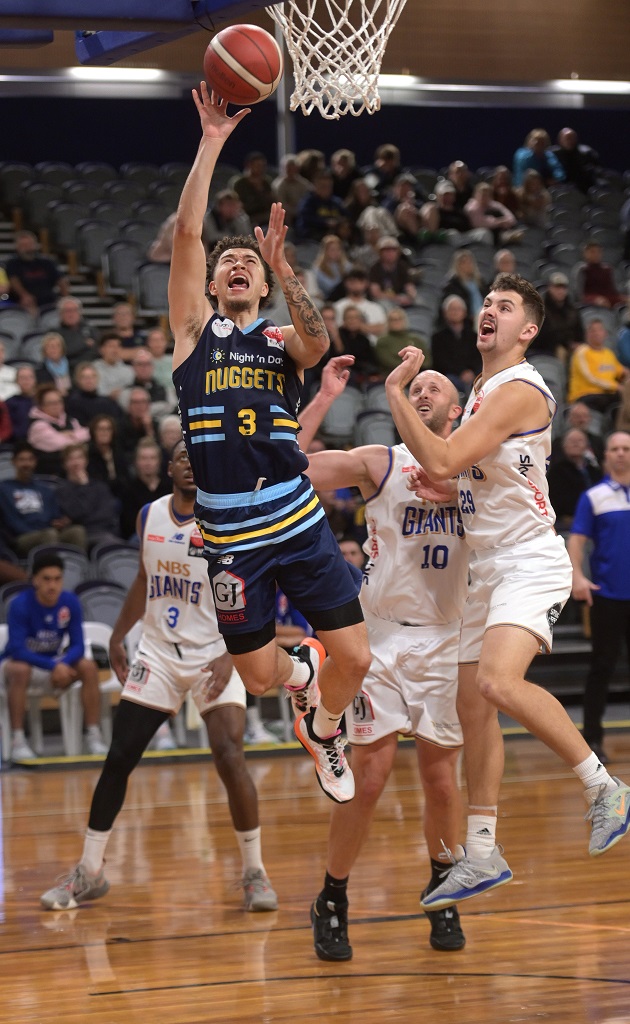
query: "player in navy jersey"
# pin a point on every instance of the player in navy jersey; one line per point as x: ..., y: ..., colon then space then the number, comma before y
x: 239, y: 381
x: 45, y: 647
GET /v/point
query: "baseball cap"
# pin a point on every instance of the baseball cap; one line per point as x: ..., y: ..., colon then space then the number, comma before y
x: 444, y: 186
x: 388, y: 242
x: 558, y: 279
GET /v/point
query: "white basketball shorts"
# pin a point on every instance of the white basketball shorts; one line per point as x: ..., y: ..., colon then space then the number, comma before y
x: 160, y: 678
x: 411, y: 686
x: 526, y: 586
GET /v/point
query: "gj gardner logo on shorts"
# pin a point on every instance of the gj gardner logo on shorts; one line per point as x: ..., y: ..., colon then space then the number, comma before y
x: 553, y: 615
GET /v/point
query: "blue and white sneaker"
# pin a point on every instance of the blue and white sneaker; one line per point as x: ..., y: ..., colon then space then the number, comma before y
x: 610, y: 817
x: 468, y: 878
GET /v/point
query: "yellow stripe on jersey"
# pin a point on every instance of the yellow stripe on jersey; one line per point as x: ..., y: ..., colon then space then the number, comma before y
x: 197, y: 424
x: 286, y: 423
x: 232, y: 537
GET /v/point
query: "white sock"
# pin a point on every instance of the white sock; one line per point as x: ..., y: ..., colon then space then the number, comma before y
x: 325, y: 723
x: 481, y: 836
x: 250, y: 846
x: 94, y: 730
x: 593, y: 775
x: 18, y: 736
x: 94, y: 846
x: 301, y: 674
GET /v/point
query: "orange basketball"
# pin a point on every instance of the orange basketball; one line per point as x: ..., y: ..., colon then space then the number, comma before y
x: 243, y: 64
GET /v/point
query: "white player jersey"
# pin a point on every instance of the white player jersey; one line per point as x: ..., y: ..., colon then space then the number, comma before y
x: 504, y: 499
x: 179, y: 607
x: 417, y: 573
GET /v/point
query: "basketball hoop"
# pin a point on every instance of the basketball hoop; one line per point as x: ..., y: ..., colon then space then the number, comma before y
x: 337, y: 47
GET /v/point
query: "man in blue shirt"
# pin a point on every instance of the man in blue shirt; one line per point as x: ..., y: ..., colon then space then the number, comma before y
x: 45, y: 647
x: 603, y: 517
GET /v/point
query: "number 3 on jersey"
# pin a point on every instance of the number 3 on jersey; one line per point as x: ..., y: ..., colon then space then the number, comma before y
x: 172, y: 615
x: 248, y: 422
x: 466, y: 503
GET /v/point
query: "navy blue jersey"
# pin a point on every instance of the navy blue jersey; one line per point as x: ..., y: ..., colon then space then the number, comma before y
x: 239, y: 394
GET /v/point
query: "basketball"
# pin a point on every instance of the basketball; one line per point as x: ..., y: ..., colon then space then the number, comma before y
x: 243, y: 64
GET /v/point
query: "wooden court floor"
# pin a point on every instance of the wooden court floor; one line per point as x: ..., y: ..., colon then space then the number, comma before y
x: 170, y: 943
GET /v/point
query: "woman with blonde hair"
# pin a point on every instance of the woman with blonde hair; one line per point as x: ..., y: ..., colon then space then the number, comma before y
x: 54, y: 368
x: 465, y: 280
x: 330, y: 265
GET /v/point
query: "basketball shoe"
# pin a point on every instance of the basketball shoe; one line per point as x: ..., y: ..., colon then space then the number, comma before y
x: 305, y: 697
x: 609, y: 815
x: 330, y: 930
x: 78, y: 887
x: 468, y: 878
x: 333, y: 771
x: 258, y: 894
x: 446, y: 930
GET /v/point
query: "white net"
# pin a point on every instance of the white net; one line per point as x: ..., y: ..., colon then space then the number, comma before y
x: 337, y: 48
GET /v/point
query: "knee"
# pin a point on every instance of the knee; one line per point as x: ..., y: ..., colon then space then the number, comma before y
x: 490, y: 687
x: 359, y: 665
x: 369, y: 787
x: 255, y: 684
x: 440, y: 784
x: 17, y: 674
x: 228, y: 758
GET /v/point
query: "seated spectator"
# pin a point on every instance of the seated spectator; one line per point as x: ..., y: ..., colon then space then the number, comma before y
x: 562, y: 329
x: 157, y: 343
x: 142, y: 366
x: 83, y: 402
x: 114, y: 374
x: 356, y: 342
x: 376, y: 218
x: 226, y: 216
x: 503, y: 190
x: 161, y: 248
x: 504, y: 262
x: 405, y: 189
x: 356, y: 286
x: 254, y: 188
x: 352, y: 552
x: 454, y: 346
x: 571, y: 474
x: 289, y: 188
x: 45, y: 628
x: 6, y: 427
x: 595, y: 283
x: 485, y: 212
x: 106, y: 459
x: 465, y: 280
x: 343, y: 166
x: 51, y: 429
x: 78, y: 335
x: 20, y: 404
x: 124, y: 325
x: 397, y: 337
x: 536, y: 153
x: 595, y: 373
x: 54, y: 367
x: 310, y: 162
x: 579, y: 417
x: 580, y: 163
x: 319, y: 212
x: 364, y: 254
x: 534, y: 200
x: 330, y: 265
x: 85, y: 502
x: 28, y: 508
x: 445, y: 219
x: 8, y: 374
x: 386, y: 167
x: 169, y: 433
x: 360, y: 198
x: 137, y: 422
x: 458, y: 174
x: 390, y: 279
x: 144, y: 486
x: 35, y: 281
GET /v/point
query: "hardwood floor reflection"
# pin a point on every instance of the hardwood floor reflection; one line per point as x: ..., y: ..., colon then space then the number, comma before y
x: 170, y: 944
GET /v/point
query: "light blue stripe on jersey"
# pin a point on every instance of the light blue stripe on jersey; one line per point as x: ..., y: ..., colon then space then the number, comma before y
x: 198, y: 438
x: 244, y: 524
x: 278, y: 408
x: 248, y: 330
x: 249, y: 497
x: 244, y: 546
x: 200, y: 410
x: 281, y: 437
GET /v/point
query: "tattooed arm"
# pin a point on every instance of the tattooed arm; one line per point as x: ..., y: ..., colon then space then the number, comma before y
x: 307, y: 339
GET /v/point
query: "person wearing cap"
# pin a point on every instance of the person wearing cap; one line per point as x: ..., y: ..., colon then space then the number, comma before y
x: 390, y: 278
x: 562, y: 330
x: 455, y: 222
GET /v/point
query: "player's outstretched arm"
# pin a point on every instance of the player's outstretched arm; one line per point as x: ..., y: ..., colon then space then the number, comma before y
x: 189, y: 308
x: 307, y: 341
x: 130, y: 613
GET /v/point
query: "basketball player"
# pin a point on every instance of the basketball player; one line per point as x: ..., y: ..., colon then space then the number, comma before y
x: 239, y: 381
x: 413, y: 596
x: 180, y: 650
x: 520, y: 577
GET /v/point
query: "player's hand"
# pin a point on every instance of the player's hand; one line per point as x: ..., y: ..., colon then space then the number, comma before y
x: 412, y: 359
x: 271, y: 242
x: 118, y: 660
x: 335, y: 375
x: 583, y: 589
x: 219, y: 671
x: 423, y: 487
x: 212, y: 110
